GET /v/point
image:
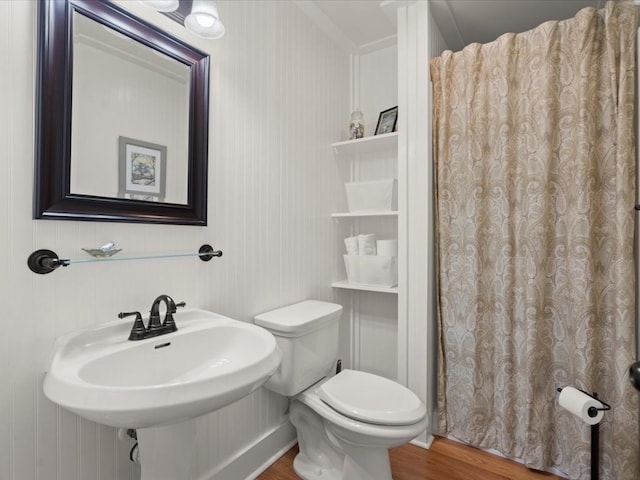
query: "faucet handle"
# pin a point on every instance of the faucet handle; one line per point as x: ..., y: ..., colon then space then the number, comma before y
x: 169, y: 324
x: 137, y: 331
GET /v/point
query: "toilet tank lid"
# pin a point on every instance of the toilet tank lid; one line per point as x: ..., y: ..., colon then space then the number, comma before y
x: 300, y: 317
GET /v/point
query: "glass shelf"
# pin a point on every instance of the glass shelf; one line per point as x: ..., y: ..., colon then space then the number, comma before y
x: 369, y: 288
x: 374, y: 143
x: 46, y: 261
x: 377, y: 213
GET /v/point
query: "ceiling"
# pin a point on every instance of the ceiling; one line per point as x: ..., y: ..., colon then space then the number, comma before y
x: 359, y: 24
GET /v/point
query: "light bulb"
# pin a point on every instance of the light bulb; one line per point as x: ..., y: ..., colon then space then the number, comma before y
x: 205, y: 20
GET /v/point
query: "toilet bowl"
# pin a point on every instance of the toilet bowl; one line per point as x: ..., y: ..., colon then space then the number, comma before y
x: 367, y: 415
x: 346, y: 422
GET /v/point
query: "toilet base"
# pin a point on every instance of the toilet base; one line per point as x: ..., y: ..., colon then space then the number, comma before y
x: 366, y: 463
x: 364, y: 469
x: 307, y: 470
x: 323, y: 456
x: 318, y: 459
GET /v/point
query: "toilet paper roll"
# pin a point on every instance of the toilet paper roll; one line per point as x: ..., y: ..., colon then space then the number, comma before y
x: 351, y: 244
x: 367, y: 244
x: 387, y: 248
x: 578, y: 403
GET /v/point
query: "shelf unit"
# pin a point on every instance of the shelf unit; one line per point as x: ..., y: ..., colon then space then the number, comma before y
x: 383, y: 76
x: 368, y: 288
x: 374, y: 143
x: 360, y: 149
x: 385, y: 213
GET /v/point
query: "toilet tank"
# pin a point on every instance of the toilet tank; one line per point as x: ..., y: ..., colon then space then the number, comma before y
x: 307, y: 335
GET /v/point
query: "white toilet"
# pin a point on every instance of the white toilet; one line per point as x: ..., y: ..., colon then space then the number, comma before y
x: 347, y: 422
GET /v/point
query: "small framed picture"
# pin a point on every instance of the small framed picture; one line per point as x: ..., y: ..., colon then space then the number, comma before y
x: 387, y: 121
x: 142, y: 172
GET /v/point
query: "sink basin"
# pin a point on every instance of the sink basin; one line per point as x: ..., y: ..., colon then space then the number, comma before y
x: 210, y: 362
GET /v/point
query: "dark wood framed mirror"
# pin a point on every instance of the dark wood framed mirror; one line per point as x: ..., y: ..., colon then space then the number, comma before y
x: 141, y: 121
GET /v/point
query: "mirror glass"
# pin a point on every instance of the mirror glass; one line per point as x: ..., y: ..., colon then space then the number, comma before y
x: 130, y: 117
x: 121, y: 120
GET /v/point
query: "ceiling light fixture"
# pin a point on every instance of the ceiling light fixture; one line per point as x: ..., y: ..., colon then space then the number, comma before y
x: 161, y: 5
x: 204, y: 20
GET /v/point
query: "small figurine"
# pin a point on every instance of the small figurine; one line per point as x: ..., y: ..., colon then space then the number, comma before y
x: 356, y: 126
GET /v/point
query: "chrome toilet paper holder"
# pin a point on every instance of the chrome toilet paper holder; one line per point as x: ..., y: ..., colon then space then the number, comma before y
x: 595, y: 432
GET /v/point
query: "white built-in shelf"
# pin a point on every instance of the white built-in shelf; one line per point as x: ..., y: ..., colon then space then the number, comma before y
x: 387, y: 142
x: 374, y: 143
x: 368, y: 288
x: 373, y: 213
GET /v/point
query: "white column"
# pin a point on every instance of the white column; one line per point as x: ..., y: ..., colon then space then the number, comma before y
x: 416, y: 303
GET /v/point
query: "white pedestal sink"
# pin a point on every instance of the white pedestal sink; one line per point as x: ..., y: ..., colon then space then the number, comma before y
x: 160, y: 385
x: 179, y: 439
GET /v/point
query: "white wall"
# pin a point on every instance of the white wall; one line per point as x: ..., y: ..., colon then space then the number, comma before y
x: 279, y: 97
x: 378, y: 84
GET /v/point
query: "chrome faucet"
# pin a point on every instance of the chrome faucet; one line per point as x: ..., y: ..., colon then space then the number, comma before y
x: 154, y: 327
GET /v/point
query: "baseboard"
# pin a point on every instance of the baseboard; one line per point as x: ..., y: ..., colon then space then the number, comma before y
x: 257, y: 457
x: 271, y: 460
x: 419, y: 442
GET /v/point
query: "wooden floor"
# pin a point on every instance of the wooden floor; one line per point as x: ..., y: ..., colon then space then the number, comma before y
x: 446, y: 460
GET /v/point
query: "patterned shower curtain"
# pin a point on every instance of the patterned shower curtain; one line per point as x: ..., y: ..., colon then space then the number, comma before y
x: 535, y: 168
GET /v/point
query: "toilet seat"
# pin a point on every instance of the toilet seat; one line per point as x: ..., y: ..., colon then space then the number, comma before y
x: 389, y: 435
x: 371, y: 399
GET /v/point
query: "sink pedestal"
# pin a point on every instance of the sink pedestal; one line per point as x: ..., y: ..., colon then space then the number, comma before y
x: 166, y: 453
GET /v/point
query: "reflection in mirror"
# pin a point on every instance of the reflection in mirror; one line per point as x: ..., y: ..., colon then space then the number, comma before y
x: 121, y: 119
x: 124, y: 89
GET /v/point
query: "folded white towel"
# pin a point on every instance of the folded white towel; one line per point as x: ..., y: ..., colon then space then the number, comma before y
x: 351, y: 244
x: 387, y: 248
x: 367, y: 244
